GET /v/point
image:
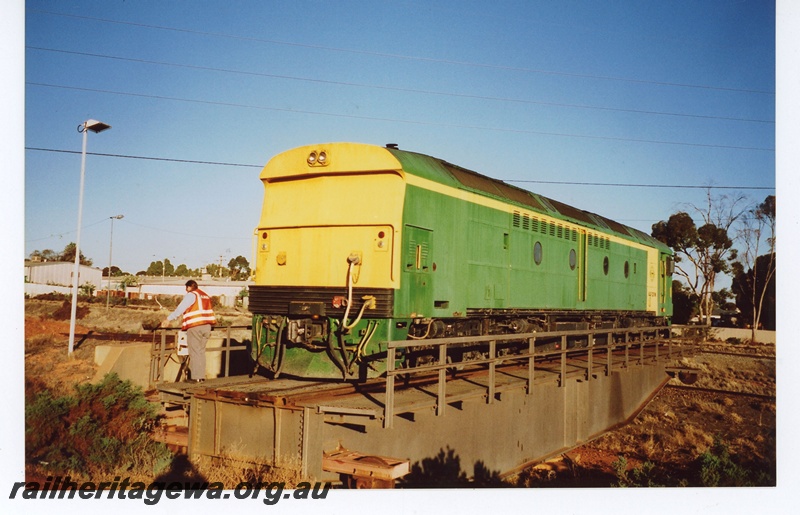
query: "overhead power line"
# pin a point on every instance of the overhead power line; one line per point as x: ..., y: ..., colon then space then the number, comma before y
x: 399, y: 89
x: 245, y: 165
x: 145, y: 158
x: 621, y: 185
x: 396, y: 120
x: 406, y: 57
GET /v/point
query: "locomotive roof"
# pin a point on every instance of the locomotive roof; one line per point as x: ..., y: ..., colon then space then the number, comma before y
x: 441, y: 171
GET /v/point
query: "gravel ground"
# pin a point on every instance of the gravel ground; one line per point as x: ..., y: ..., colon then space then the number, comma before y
x: 679, y: 425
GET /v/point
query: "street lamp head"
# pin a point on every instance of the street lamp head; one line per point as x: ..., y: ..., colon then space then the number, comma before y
x: 118, y: 217
x: 93, y: 125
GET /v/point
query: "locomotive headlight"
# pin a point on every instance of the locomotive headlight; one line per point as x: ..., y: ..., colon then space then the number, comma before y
x: 317, y: 158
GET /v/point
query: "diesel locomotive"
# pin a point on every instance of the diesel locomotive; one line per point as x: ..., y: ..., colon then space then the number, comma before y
x: 358, y: 245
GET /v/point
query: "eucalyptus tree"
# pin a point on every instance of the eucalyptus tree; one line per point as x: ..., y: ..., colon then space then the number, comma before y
x: 704, y: 252
x: 755, y: 271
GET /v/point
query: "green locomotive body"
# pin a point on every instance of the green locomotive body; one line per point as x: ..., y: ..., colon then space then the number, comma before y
x: 359, y: 245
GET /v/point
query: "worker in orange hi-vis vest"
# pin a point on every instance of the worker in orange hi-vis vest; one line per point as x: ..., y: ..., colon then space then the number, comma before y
x: 198, y: 317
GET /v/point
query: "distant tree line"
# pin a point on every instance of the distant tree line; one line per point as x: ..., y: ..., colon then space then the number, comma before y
x: 68, y: 254
x: 238, y: 268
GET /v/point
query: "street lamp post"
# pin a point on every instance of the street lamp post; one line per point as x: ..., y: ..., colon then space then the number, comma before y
x: 110, y: 241
x: 94, y: 126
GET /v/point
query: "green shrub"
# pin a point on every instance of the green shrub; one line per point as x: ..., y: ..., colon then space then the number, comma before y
x: 637, y: 476
x: 103, y: 428
x: 718, y: 468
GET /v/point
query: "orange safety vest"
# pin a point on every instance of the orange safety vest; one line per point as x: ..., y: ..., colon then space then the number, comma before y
x: 199, y: 313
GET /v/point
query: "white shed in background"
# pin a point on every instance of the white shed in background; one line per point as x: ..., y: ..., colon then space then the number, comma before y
x: 59, y: 273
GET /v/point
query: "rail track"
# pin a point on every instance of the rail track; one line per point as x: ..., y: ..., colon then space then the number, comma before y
x: 715, y: 391
x: 737, y: 354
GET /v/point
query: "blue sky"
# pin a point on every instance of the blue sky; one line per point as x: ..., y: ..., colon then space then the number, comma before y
x: 670, y: 93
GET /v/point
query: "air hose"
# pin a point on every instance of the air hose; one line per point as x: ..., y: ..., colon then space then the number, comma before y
x: 359, y: 353
x: 369, y: 300
x: 425, y: 336
x: 352, y: 259
x: 280, y: 349
x: 257, y: 341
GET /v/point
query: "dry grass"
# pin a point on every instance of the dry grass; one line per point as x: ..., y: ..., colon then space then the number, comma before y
x: 231, y: 471
x: 678, y: 425
x: 47, y: 363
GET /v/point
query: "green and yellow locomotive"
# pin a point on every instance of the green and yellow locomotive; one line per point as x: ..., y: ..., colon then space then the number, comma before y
x: 360, y: 244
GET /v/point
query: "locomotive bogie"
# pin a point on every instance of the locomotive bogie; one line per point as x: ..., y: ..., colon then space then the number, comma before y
x: 319, y: 347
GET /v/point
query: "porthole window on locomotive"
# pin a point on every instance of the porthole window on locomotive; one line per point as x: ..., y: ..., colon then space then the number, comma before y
x: 573, y: 259
x: 537, y: 253
x: 627, y: 269
x: 605, y: 265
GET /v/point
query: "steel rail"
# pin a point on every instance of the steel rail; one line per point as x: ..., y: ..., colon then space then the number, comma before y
x: 732, y: 393
x: 737, y: 354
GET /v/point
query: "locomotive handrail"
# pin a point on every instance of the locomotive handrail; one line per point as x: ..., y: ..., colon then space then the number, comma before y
x: 531, y: 355
x: 397, y: 344
x: 400, y: 344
